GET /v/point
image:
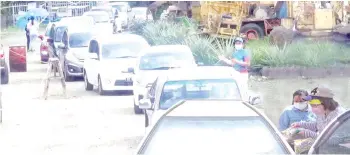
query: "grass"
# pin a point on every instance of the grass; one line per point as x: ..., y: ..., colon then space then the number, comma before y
x: 306, y: 53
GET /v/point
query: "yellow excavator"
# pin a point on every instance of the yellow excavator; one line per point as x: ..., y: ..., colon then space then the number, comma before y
x: 255, y: 20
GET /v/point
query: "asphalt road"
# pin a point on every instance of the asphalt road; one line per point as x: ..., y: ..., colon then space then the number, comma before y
x: 84, y: 123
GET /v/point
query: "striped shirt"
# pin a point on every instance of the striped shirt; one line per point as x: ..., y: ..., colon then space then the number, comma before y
x: 314, y: 128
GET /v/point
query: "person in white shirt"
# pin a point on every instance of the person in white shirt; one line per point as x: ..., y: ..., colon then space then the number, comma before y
x: 33, y: 28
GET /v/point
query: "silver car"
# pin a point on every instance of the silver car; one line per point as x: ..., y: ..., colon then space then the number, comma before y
x: 231, y: 127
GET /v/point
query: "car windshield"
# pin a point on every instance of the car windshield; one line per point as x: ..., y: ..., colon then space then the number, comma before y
x: 80, y: 39
x: 120, y: 8
x: 213, y: 135
x: 123, y: 50
x: 99, y: 18
x: 160, y: 61
x: 174, y: 91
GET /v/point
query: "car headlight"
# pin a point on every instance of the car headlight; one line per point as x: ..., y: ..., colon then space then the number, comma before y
x: 71, y: 57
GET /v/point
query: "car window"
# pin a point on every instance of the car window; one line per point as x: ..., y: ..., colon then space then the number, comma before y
x: 174, y: 91
x: 209, y: 135
x: 121, y: 50
x: 161, y: 60
x: 59, y: 33
x: 339, y: 141
x: 80, y: 39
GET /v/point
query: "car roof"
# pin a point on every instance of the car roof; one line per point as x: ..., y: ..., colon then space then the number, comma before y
x: 166, y: 49
x: 115, y: 38
x: 212, y: 108
x: 201, y: 73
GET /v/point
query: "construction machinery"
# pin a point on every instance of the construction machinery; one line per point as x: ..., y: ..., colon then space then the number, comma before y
x: 255, y: 20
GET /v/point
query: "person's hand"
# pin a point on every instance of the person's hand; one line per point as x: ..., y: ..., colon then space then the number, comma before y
x: 295, y: 125
x: 301, y: 132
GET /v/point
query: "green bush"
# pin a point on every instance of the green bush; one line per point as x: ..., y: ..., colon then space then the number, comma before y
x: 206, y: 49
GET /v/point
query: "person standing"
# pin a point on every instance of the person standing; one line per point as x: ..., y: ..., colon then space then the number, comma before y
x: 240, y: 60
x: 33, y: 32
x: 27, y: 35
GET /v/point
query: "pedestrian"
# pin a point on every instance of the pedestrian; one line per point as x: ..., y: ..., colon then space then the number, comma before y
x: 300, y: 110
x: 240, y: 60
x: 324, y: 107
x: 32, y: 26
x: 27, y: 35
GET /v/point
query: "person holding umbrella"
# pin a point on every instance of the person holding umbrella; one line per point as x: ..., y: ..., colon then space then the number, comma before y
x: 33, y: 28
x: 27, y: 36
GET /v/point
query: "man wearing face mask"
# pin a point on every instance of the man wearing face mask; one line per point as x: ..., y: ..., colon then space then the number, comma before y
x: 325, y: 108
x: 240, y: 61
x: 298, y: 111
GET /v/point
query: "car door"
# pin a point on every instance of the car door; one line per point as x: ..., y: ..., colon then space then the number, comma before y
x: 335, y: 139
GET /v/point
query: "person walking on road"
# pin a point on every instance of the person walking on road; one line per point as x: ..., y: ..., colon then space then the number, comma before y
x: 32, y: 26
x: 27, y: 35
x: 240, y: 60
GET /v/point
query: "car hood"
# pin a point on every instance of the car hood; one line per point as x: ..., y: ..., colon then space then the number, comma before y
x: 121, y: 64
x: 81, y: 53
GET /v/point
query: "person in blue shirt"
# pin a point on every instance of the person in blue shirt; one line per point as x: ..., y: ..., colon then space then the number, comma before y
x: 240, y: 61
x: 298, y: 111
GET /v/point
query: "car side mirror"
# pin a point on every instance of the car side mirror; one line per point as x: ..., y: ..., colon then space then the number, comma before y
x: 131, y: 70
x: 93, y: 56
x: 254, y: 100
x: 145, y: 104
x: 61, y: 46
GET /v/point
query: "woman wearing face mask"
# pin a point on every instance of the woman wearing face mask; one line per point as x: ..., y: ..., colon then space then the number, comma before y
x: 298, y: 111
x: 240, y: 60
x: 324, y: 107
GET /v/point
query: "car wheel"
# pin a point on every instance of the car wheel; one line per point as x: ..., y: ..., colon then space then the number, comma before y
x: 88, y: 85
x: 100, y: 88
x: 146, y: 120
x: 137, y: 109
x: 66, y: 77
x: 5, y: 77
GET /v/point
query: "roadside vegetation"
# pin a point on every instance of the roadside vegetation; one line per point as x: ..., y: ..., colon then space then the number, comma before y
x: 305, y: 53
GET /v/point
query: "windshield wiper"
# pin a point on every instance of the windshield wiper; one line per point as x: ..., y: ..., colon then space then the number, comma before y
x: 127, y: 57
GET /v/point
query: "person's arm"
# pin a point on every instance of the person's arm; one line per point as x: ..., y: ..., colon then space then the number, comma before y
x: 284, y: 121
x: 308, y: 125
x: 309, y: 134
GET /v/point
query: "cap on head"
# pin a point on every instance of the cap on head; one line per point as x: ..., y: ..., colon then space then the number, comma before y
x: 238, y: 39
x: 320, y: 92
x: 31, y: 17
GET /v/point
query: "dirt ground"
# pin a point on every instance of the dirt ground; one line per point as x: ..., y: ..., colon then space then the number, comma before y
x: 87, y: 123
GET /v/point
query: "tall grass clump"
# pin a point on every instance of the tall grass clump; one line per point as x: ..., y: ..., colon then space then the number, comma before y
x: 206, y: 49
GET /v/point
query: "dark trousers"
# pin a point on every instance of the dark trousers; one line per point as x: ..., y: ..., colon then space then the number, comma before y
x: 28, y: 41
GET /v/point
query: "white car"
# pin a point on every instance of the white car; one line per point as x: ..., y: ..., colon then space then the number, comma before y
x: 123, y: 10
x: 108, y: 62
x: 141, y: 14
x: 107, y: 9
x: 102, y: 22
x: 156, y: 60
x: 205, y: 82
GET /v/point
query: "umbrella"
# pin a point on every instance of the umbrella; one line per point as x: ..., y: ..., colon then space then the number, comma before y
x: 37, y: 13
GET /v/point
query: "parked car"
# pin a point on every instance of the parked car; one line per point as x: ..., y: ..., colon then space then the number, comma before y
x: 110, y: 11
x: 123, y: 10
x: 4, y: 67
x: 72, y: 47
x: 84, y: 22
x: 206, y: 82
x: 102, y: 22
x: 213, y: 126
x: 109, y: 59
x: 156, y: 60
x: 141, y: 13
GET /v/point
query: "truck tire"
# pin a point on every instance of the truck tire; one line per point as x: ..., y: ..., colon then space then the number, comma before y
x: 252, y: 31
